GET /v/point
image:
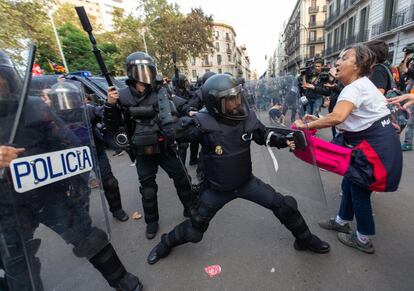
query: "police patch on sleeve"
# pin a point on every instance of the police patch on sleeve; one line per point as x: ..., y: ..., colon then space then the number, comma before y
x: 32, y: 172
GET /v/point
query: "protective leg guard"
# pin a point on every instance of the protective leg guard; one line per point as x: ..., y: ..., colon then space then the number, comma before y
x: 181, y: 234
x: 288, y: 214
x: 90, y: 245
x: 112, y: 194
x: 110, y: 266
x: 149, y: 202
x: 16, y: 268
x: 185, y: 193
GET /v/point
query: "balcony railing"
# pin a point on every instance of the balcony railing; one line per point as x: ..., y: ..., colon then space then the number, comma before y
x: 207, y: 64
x: 398, y: 19
x: 339, y: 11
x: 324, y: 8
x: 316, y: 40
x: 316, y: 24
x: 362, y: 36
x: 313, y: 9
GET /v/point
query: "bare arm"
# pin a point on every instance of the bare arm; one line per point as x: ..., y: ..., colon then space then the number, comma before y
x: 341, y: 111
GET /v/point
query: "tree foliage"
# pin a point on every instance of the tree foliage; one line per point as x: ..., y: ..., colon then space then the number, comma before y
x: 186, y: 35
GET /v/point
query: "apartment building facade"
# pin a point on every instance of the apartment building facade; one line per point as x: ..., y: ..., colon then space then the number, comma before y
x: 348, y: 22
x: 102, y: 10
x: 304, y: 36
x: 225, y: 57
x: 393, y: 22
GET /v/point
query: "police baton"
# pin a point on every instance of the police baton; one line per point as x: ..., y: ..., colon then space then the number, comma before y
x: 83, y: 17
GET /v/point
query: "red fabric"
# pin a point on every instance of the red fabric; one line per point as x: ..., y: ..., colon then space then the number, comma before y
x: 380, y: 173
x: 326, y: 155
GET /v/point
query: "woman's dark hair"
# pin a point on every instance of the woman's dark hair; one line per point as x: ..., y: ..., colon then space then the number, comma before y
x: 364, y: 58
x: 380, y: 49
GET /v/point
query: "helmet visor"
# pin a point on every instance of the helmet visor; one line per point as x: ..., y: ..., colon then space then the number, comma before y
x: 141, y: 72
x: 232, y: 104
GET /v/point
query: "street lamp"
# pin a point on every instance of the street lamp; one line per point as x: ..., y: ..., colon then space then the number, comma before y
x: 144, y: 29
x: 58, y: 41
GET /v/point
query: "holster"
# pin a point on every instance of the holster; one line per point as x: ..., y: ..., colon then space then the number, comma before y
x: 146, y: 139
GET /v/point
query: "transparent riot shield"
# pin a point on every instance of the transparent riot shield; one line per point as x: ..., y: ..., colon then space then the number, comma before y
x: 51, y: 221
x: 287, y: 174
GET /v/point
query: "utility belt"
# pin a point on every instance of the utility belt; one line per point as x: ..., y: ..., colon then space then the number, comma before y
x: 147, y: 139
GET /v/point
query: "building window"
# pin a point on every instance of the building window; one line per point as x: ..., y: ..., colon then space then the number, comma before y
x: 218, y: 59
x: 205, y: 60
x: 194, y: 73
x: 311, y: 51
x: 227, y: 36
x: 217, y: 34
x: 229, y: 57
x: 313, y: 3
x: 351, y: 28
x: 207, y: 70
x: 312, y: 21
x: 220, y: 71
x: 217, y: 46
x: 193, y: 61
x: 312, y: 35
x: 228, y: 47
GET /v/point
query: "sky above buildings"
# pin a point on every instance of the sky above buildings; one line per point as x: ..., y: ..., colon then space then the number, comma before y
x: 257, y: 23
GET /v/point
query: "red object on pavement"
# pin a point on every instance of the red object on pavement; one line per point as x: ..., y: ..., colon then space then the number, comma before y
x: 213, y: 270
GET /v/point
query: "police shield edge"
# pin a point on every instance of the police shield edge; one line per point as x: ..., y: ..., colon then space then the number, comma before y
x: 50, y: 215
x: 278, y: 104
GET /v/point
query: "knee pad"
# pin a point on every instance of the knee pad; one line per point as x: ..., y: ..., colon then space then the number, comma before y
x: 285, y: 208
x: 148, y: 193
x: 91, y: 244
x: 110, y: 183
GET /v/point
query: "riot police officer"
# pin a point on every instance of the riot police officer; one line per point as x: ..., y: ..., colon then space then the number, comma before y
x: 61, y: 102
x: 138, y: 102
x: 52, y: 205
x: 225, y: 130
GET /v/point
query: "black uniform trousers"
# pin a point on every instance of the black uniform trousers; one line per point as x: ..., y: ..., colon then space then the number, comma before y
x: 255, y: 190
x: 147, y: 168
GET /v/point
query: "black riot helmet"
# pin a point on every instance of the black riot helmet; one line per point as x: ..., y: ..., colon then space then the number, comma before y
x: 206, y: 75
x: 220, y: 88
x: 140, y: 68
x: 181, y: 83
x: 67, y: 100
x: 10, y: 81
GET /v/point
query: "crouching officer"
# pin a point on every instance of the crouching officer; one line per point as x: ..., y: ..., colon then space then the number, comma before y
x: 225, y: 131
x: 138, y: 103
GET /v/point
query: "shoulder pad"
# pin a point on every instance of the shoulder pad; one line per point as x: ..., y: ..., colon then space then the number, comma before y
x: 206, y: 121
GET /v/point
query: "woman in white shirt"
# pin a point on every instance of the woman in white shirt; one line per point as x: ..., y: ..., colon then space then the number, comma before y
x: 361, y: 114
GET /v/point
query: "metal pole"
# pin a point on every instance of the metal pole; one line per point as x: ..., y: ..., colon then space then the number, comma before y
x: 143, y: 37
x: 58, y: 42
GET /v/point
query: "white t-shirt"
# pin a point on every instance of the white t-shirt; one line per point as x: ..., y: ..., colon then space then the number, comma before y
x: 370, y: 105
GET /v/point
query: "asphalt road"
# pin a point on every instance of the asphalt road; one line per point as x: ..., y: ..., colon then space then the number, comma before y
x: 254, y: 250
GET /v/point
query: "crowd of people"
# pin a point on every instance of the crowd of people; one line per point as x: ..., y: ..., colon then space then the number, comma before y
x: 161, y: 121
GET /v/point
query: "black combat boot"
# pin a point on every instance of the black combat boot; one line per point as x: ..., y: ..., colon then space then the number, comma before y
x: 161, y: 250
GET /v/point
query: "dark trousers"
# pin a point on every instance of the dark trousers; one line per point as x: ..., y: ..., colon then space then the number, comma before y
x: 211, y: 201
x: 147, y: 168
x: 66, y: 216
x: 357, y: 201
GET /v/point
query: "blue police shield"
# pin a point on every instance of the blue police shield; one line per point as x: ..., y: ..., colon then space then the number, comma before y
x: 278, y: 104
x: 50, y: 214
